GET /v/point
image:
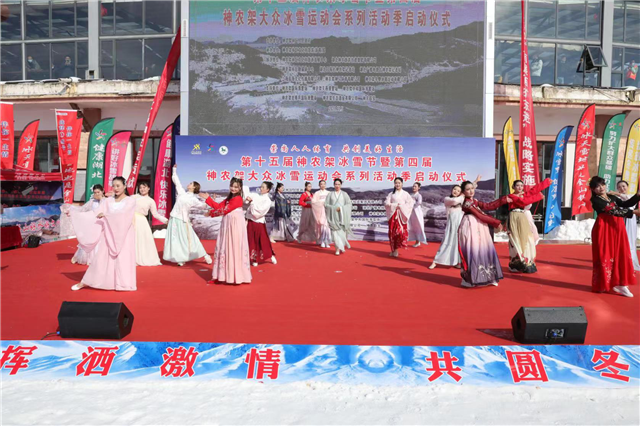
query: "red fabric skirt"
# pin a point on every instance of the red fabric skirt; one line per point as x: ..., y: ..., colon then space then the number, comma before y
x: 611, y: 255
x: 259, y: 245
x: 398, y: 233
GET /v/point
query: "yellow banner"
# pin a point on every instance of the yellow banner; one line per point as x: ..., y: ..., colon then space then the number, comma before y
x: 510, y: 156
x: 632, y: 158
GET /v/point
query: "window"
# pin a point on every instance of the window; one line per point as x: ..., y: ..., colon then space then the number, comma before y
x: 128, y: 18
x: 508, y: 17
x: 107, y: 60
x: 155, y: 56
x: 542, y: 18
x: 572, y: 19
x: 542, y: 62
x: 10, y: 62
x: 568, y: 60
x: 158, y: 17
x: 507, y: 62
x: 37, y: 16
x: 630, y: 67
x: 128, y: 59
x: 56, y: 60
x: 63, y: 19
x: 38, y: 64
x: 136, y: 17
x: 12, y: 27
x: 632, y: 23
x: 618, y: 20
x: 594, y: 17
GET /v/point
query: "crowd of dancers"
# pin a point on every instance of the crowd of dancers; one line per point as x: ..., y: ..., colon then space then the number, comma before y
x: 114, y: 234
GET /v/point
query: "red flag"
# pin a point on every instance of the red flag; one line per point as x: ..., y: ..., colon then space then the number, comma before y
x: 528, y: 144
x: 114, y: 157
x: 6, y: 136
x: 162, y: 188
x: 68, y: 129
x: 169, y: 67
x: 581, y: 197
x: 27, y: 145
x: 22, y: 174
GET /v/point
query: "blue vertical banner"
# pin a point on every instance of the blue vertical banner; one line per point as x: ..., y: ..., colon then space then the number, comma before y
x: 553, y: 216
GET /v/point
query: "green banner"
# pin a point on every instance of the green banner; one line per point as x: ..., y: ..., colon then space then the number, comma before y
x: 100, y: 135
x: 608, y: 169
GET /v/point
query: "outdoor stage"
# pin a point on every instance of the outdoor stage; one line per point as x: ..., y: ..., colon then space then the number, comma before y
x: 314, y: 297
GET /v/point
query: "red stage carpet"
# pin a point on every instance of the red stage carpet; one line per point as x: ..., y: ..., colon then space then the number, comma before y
x: 314, y: 297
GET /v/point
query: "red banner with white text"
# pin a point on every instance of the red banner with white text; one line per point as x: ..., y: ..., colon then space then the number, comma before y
x: 162, y: 187
x: 581, y: 195
x: 114, y: 157
x: 528, y: 143
x: 68, y: 127
x: 169, y: 68
x: 27, y: 145
x: 6, y: 136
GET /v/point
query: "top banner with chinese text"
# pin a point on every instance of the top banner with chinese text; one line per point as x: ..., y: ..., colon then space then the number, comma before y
x: 407, y: 68
x: 367, y: 167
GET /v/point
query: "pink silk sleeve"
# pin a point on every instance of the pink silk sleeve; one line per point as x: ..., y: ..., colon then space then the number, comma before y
x: 87, y: 227
x: 117, y: 225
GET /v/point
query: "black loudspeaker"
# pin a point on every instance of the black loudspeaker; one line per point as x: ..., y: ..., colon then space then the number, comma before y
x: 550, y: 325
x: 92, y: 320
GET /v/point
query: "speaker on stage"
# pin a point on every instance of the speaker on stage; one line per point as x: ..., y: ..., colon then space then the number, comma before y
x: 93, y: 320
x: 550, y: 325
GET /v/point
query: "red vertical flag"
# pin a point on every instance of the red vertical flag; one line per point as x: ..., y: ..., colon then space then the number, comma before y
x: 27, y: 145
x: 528, y: 143
x: 114, y: 157
x: 581, y: 199
x: 6, y: 136
x: 162, y: 187
x: 169, y: 68
x: 68, y: 128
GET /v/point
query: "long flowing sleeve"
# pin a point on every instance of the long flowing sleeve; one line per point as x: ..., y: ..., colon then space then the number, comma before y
x: 87, y: 227
x: 470, y: 208
x: 492, y: 205
x: 627, y: 203
x: 117, y: 225
x: 154, y: 211
x: 259, y: 206
x: 224, y: 208
x: 405, y: 206
x: 176, y: 182
x: 390, y: 207
x: 451, y: 201
x: 614, y: 208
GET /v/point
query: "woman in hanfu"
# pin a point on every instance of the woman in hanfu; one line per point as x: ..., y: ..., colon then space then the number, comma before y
x: 323, y: 231
x: 416, y: 220
x: 146, y: 250
x: 231, y: 258
x: 398, y: 206
x: 631, y: 224
x: 82, y: 257
x: 611, y: 255
x: 480, y: 263
x: 110, y: 228
x: 307, y: 229
x: 260, y: 247
x: 283, y: 227
x: 338, y: 208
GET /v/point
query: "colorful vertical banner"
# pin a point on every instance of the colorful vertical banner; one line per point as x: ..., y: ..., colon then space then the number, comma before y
x: 6, y: 135
x: 68, y: 127
x: 169, y: 68
x: 581, y: 197
x: 509, y: 147
x: 608, y: 168
x: 27, y: 145
x: 100, y: 135
x: 174, y: 134
x: 553, y: 215
x: 528, y: 141
x: 162, y: 187
x: 632, y: 158
x: 114, y: 157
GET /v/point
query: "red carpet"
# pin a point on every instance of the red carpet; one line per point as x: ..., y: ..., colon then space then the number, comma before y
x: 314, y: 297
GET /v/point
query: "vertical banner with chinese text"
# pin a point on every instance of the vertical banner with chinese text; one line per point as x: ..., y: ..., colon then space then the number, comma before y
x: 509, y: 146
x: 608, y: 168
x: 27, y: 145
x: 553, y: 215
x: 581, y: 197
x: 165, y: 78
x: 162, y: 186
x: 6, y: 136
x: 528, y: 141
x: 632, y: 158
x: 114, y: 157
x: 68, y: 128
x: 98, y: 139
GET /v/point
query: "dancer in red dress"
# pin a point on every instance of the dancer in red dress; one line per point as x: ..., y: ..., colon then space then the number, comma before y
x: 398, y: 205
x: 611, y: 255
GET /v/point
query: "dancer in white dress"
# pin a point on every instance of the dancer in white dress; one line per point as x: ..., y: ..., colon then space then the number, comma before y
x: 338, y: 207
x: 416, y: 221
x: 146, y: 250
x: 81, y: 257
x: 631, y: 224
x: 323, y: 232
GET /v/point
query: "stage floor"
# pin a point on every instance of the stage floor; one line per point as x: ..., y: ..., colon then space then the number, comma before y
x: 311, y: 296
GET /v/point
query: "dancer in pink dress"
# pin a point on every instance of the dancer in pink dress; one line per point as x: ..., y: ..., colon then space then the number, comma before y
x: 323, y: 232
x: 82, y: 257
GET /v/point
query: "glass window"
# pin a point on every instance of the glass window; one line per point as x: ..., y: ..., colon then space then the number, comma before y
x: 129, y: 18
x: 129, y: 59
x: 37, y: 18
x: 508, y: 17
x: 178, y: 14
x: 41, y: 163
x: 542, y: 62
x: 63, y: 18
x: 542, y: 18
x: 82, y: 19
x: 63, y: 60
x: 592, y: 79
x: 632, y: 23
x: 11, y: 27
x: 594, y: 16
x: 82, y: 49
x: 106, y: 60
x: 38, y: 64
x: 54, y: 157
x: 158, y: 17
x: 631, y: 61
x: 107, y: 24
x: 11, y: 62
x: 507, y: 63
x: 571, y: 19
x: 155, y: 55
x: 616, y: 80
x: 618, y: 20
x: 616, y: 60
x: 568, y: 59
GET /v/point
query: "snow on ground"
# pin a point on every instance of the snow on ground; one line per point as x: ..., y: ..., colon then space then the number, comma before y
x: 243, y: 402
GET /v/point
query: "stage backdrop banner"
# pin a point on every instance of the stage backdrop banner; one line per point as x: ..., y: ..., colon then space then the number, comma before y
x: 336, y: 68
x: 69, y: 127
x: 632, y: 158
x: 27, y: 145
x: 367, y: 167
x: 608, y: 168
x: 114, y: 158
x: 100, y: 135
x: 21, y: 193
x: 6, y: 135
x: 162, y: 186
x: 581, y: 194
x: 43, y: 220
x: 510, y: 156
x: 553, y: 215
x: 551, y: 366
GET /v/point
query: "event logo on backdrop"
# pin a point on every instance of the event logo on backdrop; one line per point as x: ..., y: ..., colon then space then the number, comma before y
x: 367, y: 167
x: 336, y: 68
